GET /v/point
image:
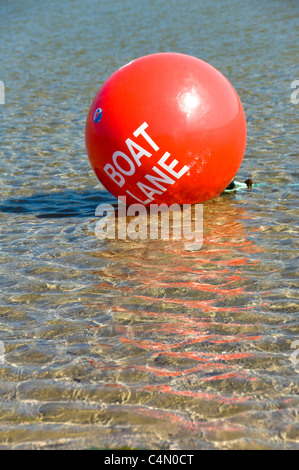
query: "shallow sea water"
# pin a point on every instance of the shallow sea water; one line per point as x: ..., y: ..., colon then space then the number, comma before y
x: 145, y: 344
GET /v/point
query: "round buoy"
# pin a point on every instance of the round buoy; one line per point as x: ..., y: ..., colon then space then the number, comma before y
x: 166, y: 128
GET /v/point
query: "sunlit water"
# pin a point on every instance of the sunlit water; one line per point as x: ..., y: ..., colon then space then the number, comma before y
x: 145, y: 344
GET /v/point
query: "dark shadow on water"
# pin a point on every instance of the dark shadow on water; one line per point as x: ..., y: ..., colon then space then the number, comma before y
x: 61, y: 204
x: 67, y: 203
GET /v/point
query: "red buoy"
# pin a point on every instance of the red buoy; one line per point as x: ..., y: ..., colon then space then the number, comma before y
x: 166, y: 128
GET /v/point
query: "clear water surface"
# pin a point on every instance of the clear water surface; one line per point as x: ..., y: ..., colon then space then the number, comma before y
x: 145, y: 344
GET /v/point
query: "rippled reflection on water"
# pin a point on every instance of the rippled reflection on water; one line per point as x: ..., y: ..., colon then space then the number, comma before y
x: 146, y: 344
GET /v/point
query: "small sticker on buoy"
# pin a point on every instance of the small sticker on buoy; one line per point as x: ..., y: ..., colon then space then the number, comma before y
x: 98, y: 115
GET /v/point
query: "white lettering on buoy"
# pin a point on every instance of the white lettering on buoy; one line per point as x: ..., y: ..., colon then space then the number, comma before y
x: 138, y: 155
x: 141, y: 131
x: 116, y: 155
x: 154, y: 179
x: 147, y: 190
x: 168, y: 176
x: 170, y: 167
x: 114, y: 175
x: 137, y: 198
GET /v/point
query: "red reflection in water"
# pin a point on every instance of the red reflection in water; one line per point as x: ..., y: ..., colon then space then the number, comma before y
x: 182, y: 286
x: 216, y: 426
x: 211, y: 338
x: 167, y: 389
